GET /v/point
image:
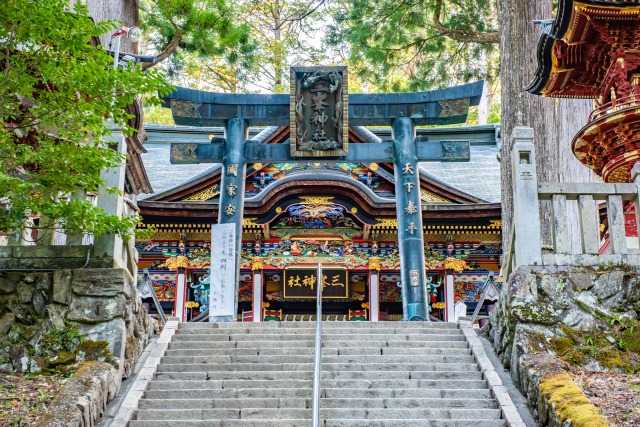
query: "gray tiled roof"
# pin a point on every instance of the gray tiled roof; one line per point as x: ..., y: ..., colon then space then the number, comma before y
x: 162, y: 174
x: 480, y: 177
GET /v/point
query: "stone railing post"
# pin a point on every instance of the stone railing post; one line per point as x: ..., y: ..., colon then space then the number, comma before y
x: 635, y: 175
x: 526, y: 215
x: 75, y: 237
x: 111, y: 245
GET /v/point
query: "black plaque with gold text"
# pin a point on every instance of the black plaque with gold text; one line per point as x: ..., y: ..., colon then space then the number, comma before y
x: 302, y: 283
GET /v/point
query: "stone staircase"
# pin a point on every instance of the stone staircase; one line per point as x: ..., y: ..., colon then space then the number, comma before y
x: 374, y: 374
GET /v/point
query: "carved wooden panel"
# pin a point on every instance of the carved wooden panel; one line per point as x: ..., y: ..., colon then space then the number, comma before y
x: 319, y: 111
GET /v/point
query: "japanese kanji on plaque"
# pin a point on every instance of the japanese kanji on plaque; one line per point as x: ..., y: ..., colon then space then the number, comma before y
x: 303, y: 282
x: 319, y: 111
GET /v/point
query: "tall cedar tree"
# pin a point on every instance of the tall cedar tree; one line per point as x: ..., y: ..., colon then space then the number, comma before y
x: 415, y: 44
x: 554, y: 121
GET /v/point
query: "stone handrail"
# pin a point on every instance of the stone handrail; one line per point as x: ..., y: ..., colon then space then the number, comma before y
x: 588, y: 196
x: 527, y: 194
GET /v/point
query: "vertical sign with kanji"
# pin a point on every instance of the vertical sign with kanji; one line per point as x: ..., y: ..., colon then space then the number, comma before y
x: 223, y: 273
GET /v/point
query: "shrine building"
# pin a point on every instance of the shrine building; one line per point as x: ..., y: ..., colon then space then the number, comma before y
x: 341, y: 213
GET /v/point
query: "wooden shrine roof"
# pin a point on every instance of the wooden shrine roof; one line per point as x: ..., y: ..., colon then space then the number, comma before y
x: 200, y: 179
x: 577, y: 49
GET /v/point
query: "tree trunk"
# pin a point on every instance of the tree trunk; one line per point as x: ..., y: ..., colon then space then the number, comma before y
x: 125, y: 11
x: 554, y: 121
x: 278, y: 59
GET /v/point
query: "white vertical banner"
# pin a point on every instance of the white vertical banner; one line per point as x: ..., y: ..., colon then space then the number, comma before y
x: 449, y: 297
x: 374, y: 296
x: 257, y: 296
x: 223, y: 271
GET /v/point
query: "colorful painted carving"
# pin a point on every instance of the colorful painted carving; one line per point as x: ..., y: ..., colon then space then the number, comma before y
x: 390, y: 292
x: 201, y: 291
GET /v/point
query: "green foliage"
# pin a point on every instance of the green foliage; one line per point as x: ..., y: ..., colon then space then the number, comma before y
x: 275, y: 35
x: 284, y: 32
x: 494, y: 113
x: 56, y: 93
x: 65, y: 339
x: 416, y: 45
x: 203, y: 28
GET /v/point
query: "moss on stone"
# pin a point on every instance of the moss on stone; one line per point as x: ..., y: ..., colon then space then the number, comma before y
x: 98, y: 351
x: 631, y: 339
x: 569, y: 402
x: 617, y: 361
x: 616, y: 355
x: 63, y: 357
x: 530, y: 312
x: 561, y: 345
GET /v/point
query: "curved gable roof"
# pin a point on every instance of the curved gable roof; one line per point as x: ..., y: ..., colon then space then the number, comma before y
x: 477, y: 181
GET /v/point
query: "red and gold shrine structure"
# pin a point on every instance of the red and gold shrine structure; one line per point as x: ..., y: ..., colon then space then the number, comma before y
x: 339, y: 214
x: 592, y: 50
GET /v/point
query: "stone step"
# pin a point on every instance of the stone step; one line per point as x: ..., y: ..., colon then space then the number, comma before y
x: 433, y: 393
x: 241, y: 344
x: 308, y: 375
x: 383, y: 367
x: 224, y: 423
x: 344, y: 359
x: 302, y: 403
x: 327, y: 423
x: 370, y: 343
x: 397, y: 403
x: 338, y: 413
x: 171, y: 385
x: 268, y: 393
x: 331, y: 331
x: 409, y: 422
x: 225, y: 403
x: 312, y: 325
x: 326, y: 337
x: 310, y: 351
x: 291, y: 351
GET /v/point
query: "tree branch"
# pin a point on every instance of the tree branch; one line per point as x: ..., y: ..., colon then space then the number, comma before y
x: 231, y: 86
x: 166, y: 52
x: 462, y: 35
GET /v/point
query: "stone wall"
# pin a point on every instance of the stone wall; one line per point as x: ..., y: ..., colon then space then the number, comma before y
x: 83, y: 400
x: 44, y: 316
x: 548, y: 317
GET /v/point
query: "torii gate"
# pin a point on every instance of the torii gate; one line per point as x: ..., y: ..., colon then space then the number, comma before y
x: 319, y: 99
